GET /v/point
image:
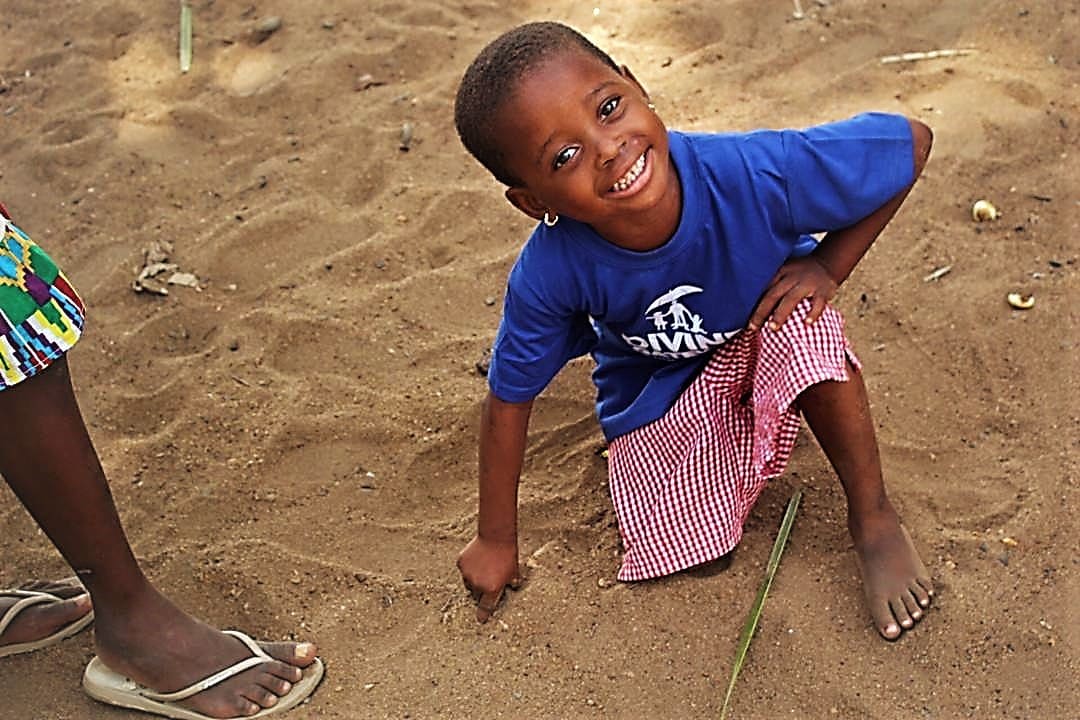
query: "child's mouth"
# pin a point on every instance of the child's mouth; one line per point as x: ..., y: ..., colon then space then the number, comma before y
x: 630, y: 179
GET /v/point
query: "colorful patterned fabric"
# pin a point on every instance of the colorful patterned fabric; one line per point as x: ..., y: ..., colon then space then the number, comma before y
x: 683, y: 485
x: 41, y: 315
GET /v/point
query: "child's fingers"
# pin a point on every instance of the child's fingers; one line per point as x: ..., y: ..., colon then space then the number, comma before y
x: 816, y: 309
x: 784, y: 309
x: 487, y: 603
x: 768, y: 305
x: 485, y: 607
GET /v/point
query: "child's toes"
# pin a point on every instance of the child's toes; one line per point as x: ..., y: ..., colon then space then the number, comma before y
x: 922, y: 597
x: 899, y: 611
x: 884, y: 620
x: 262, y: 697
x: 293, y: 655
x: 926, y: 586
x: 912, y: 606
x: 274, y: 684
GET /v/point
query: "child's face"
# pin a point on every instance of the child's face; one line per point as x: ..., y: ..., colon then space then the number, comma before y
x: 585, y: 144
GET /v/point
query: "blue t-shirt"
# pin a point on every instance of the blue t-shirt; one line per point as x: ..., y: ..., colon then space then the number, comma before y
x: 651, y: 319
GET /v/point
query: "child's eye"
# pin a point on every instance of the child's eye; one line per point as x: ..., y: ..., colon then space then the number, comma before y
x: 563, y: 156
x: 609, y: 106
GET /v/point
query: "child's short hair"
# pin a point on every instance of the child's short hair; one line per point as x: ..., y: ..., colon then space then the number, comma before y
x: 491, y: 78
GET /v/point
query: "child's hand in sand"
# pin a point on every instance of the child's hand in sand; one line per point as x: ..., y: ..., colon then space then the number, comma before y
x: 488, y: 568
x: 798, y: 278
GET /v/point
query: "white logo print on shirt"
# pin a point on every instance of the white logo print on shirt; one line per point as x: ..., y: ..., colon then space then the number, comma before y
x: 679, y: 332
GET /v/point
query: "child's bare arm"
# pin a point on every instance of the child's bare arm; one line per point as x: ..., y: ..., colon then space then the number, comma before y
x: 819, y: 274
x: 490, y: 561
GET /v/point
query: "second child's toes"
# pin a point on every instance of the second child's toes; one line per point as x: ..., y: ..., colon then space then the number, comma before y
x: 235, y: 706
x: 275, y: 684
x: 292, y: 655
x: 263, y: 697
x: 289, y: 673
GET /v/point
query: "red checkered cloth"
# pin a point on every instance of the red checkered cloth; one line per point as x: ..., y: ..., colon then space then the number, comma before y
x: 683, y: 485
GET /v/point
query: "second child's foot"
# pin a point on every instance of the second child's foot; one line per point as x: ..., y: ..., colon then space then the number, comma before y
x: 160, y: 647
x: 39, y: 621
x: 897, y: 586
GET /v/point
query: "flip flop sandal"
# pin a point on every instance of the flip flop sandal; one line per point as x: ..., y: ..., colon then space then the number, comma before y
x: 29, y: 598
x: 111, y: 687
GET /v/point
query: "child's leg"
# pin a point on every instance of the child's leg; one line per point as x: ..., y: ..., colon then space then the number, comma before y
x: 50, y: 463
x: 895, y: 581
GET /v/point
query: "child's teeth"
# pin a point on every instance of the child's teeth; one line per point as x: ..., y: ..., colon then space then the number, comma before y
x: 628, y: 179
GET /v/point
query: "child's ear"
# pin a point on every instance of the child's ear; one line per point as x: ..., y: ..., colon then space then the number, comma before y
x: 526, y: 202
x: 630, y: 76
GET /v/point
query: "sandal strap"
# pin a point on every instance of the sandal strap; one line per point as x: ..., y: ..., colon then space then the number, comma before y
x: 29, y: 597
x: 258, y: 658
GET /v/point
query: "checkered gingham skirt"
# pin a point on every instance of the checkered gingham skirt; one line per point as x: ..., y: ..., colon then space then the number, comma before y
x: 683, y: 485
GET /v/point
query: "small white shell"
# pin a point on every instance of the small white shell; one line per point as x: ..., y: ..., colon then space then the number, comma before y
x: 1021, y: 302
x: 984, y: 210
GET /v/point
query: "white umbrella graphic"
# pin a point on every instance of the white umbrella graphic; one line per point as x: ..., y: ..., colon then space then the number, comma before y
x: 672, y: 295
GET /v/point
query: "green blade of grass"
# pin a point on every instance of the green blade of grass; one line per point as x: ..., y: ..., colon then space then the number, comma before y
x: 759, y: 602
x: 185, y: 36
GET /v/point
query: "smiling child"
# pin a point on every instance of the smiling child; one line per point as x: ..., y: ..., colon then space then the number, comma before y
x: 685, y: 264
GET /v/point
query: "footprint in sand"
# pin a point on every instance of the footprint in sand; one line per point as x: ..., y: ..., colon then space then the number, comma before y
x: 245, y: 71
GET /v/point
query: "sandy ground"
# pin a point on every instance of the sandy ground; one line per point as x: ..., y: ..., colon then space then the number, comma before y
x: 292, y: 444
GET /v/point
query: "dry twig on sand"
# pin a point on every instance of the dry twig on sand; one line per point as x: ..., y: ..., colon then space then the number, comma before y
x: 928, y: 55
x: 185, y: 36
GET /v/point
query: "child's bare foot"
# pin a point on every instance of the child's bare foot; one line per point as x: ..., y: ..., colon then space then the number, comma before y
x: 160, y: 647
x: 39, y: 621
x: 898, y: 588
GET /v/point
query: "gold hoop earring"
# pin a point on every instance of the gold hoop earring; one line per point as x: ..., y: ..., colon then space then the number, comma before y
x: 550, y: 220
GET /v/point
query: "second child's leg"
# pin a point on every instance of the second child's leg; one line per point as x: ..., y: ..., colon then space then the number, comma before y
x: 48, y: 460
x: 897, y: 586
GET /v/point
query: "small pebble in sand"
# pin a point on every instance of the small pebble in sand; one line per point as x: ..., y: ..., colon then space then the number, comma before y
x: 365, y: 81
x: 406, y: 137
x: 484, y: 363
x: 265, y: 28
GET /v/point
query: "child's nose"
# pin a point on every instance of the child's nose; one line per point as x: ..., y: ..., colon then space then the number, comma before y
x: 609, y: 146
